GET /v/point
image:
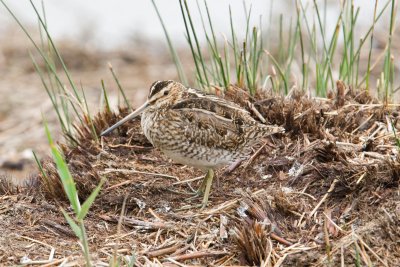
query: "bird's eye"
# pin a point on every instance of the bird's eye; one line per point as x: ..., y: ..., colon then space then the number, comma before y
x: 166, y: 92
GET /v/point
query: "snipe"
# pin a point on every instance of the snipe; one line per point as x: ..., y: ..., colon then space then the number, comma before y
x: 197, y: 129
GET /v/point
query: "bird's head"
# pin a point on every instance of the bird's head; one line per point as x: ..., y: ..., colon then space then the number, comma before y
x: 162, y: 94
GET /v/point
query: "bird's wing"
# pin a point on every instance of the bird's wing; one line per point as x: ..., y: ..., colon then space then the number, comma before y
x: 214, y: 122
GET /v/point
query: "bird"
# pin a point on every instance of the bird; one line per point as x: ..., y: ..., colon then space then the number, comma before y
x: 197, y: 129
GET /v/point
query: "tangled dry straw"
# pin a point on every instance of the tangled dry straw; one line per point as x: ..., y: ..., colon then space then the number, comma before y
x: 325, y: 192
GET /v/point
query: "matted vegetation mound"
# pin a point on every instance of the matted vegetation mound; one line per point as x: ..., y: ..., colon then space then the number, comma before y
x: 324, y: 192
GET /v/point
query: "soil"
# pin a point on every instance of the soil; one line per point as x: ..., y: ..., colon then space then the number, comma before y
x: 324, y: 193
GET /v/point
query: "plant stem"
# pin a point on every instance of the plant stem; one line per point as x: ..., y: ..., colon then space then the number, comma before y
x: 85, y: 244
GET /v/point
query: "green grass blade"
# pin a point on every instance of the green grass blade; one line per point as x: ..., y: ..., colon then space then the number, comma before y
x: 89, y: 201
x: 122, y: 90
x: 87, y: 111
x: 75, y: 228
x: 44, y: 175
x: 71, y: 82
x: 309, y: 30
x: 211, y: 26
x: 388, y: 58
x: 303, y: 61
x: 48, y: 47
x: 216, y: 56
x: 39, y: 165
x: 199, y: 54
x: 199, y: 76
x: 326, y: 55
x: 51, y: 96
x: 246, y: 66
x: 132, y: 260
x: 247, y: 16
x: 64, y: 173
x: 175, y: 57
x: 227, y: 61
x: 386, y: 5
x: 236, y: 54
x: 286, y: 89
x: 214, y: 69
x: 44, y: 57
x: 105, y: 96
x: 370, y: 48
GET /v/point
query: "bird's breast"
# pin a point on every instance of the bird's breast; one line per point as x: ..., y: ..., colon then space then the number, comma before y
x: 160, y: 130
x: 175, y: 140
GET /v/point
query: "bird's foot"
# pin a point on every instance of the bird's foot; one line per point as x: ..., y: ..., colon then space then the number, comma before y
x: 204, y: 189
x: 205, y: 193
x: 195, y: 194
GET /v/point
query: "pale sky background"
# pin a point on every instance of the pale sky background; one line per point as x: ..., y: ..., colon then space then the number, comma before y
x: 108, y: 23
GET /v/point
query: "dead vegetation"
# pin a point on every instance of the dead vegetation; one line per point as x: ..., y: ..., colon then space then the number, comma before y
x: 324, y: 193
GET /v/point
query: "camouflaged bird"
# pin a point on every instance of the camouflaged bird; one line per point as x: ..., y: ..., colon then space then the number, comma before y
x: 197, y: 129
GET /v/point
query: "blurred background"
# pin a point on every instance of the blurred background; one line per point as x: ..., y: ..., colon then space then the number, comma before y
x: 108, y: 25
x: 127, y: 34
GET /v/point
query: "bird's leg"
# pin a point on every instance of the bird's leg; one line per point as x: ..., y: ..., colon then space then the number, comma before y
x: 206, y: 187
x: 202, y: 187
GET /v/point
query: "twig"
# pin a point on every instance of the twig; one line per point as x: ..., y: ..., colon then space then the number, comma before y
x: 280, y: 239
x: 362, y: 124
x: 333, y: 223
x: 181, y: 250
x: 280, y: 261
x: 256, y: 112
x: 373, y: 252
x: 380, y: 127
x: 361, y: 177
x: 374, y: 155
x: 42, y: 243
x: 155, y: 215
x: 372, y: 105
x: 60, y: 228
x: 131, y: 147
x: 347, y: 144
x: 229, y: 204
x: 163, y: 251
x: 55, y: 263
x: 331, y: 188
x: 328, y: 246
x: 233, y: 166
x: 118, y: 185
x: 177, y: 263
x: 254, y: 155
x: 51, y: 255
x: 119, y: 226
x: 147, y: 225
x: 199, y: 254
x: 138, y: 223
x: 188, y: 180
x: 302, y: 193
x: 126, y: 171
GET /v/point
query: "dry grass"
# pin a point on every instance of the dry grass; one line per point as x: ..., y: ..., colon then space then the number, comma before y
x: 324, y: 193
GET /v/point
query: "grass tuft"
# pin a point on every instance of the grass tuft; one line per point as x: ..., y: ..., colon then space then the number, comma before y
x: 323, y: 57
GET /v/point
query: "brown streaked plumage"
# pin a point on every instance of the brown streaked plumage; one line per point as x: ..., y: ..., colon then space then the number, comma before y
x: 197, y: 129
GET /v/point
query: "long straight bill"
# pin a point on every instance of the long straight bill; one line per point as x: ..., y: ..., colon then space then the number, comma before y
x: 127, y: 118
